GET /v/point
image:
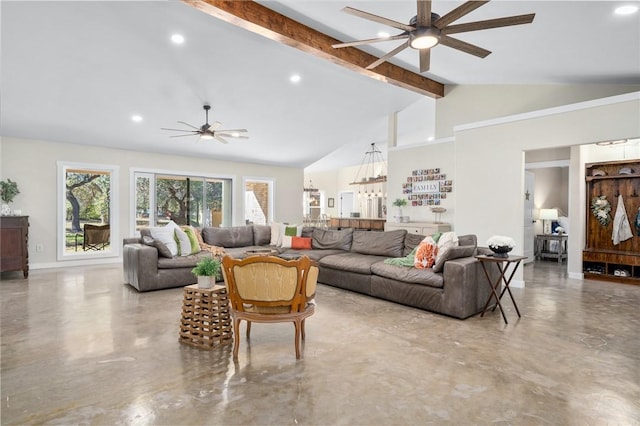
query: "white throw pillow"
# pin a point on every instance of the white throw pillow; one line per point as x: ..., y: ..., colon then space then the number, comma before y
x: 447, y: 240
x: 286, y: 241
x: 277, y: 231
x: 166, y: 235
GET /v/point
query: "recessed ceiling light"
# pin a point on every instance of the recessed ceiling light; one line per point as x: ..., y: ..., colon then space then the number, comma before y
x: 177, y: 38
x: 383, y: 34
x: 626, y: 10
x: 295, y: 78
x: 136, y: 118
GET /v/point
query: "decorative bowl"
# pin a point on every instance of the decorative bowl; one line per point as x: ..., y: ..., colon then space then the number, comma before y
x: 500, y: 251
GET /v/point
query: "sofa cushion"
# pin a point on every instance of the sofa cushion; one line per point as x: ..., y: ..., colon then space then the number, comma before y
x: 182, y: 261
x: 261, y: 235
x: 331, y: 239
x: 411, y: 241
x: 389, y: 243
x: 307, y: 231
x: 408, y: 275
x: 453, y: 253
x: 313, y: 254
x: 235, y: 236
x: 351, y: 262
x: 468, y: 240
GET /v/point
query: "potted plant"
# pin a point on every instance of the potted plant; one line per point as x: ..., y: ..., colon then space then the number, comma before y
x: 207, y: 270
x: 8, y: 190
x: 399, y: 203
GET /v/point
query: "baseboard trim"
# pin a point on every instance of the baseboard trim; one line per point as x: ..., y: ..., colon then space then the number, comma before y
x: 51, y: 265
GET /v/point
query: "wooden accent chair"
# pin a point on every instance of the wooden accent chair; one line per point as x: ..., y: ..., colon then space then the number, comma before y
x: 96, y: 237
x: 270, y: 289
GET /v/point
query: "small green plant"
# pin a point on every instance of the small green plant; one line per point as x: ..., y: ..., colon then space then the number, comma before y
x: 207, y: 267
x: 399, y: 202
x: 8, y: 190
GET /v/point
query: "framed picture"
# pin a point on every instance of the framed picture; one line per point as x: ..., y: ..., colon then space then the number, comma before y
x: 330, y: 202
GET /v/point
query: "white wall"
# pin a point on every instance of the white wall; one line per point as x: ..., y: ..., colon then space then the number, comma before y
x: 416, y: 123
x: 490, y: 164
x: 469, y: 104
x: 402, y: 161
x: 33, y: 165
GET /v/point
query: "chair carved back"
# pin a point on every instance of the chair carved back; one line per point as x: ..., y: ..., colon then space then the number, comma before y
x: 263, y: 282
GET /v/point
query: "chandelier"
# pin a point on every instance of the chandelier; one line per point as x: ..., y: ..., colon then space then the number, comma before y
x: 368, y: 178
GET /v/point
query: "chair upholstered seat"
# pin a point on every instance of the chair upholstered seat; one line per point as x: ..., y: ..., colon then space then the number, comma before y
x: 270, y: 289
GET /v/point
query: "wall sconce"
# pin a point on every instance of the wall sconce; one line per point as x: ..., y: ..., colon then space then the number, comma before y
x: 547, y: 215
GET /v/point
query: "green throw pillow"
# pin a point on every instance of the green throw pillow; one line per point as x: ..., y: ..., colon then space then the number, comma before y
x: 291, y: 231
x: 193, y: 239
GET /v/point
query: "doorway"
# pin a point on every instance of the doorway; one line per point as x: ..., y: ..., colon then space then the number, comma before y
x: 346, y: 201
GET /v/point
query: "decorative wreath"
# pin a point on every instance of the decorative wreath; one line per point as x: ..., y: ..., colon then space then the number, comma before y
x: 601, y: 209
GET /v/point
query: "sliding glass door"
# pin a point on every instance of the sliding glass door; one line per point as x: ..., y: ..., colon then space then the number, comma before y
x: 187, y: 200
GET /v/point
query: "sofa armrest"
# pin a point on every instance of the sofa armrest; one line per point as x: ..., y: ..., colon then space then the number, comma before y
x: 466, y: 285
x: 140, y: 265
x: 131, y: 240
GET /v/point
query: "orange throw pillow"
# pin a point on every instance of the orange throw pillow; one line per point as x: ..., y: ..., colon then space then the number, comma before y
x: 426, y: 254
x: 300, y: 243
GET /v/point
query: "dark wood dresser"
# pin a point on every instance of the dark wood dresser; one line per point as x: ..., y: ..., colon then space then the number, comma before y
x: 14, y: 244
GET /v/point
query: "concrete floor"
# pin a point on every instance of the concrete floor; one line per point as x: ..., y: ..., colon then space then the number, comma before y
x: 80, y: 347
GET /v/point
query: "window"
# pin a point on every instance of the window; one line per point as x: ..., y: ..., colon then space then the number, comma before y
x: 87, y: 201
x: 194, y: 200
x: 258, y: 201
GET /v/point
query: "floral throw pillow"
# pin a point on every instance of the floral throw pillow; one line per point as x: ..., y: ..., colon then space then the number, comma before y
x: 426, y: 254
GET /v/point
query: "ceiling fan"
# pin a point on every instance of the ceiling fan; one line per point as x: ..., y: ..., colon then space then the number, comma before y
x: 428, y: 29
x: 210, y: 131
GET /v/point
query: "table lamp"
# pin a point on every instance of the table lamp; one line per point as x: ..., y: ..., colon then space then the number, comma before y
x: 547, y: 215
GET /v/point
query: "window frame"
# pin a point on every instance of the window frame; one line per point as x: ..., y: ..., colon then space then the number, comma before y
x: 147, y: 171
x: 114, y: 247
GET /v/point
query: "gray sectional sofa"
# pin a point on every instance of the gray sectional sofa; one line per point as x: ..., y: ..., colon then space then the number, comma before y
x: 352, y: 260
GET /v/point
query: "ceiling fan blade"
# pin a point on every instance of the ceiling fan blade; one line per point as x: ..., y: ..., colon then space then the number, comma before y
x: 214, y: 125
x: 221, y: 140
x: 368, y: 41
x: 464, y: 46
x: 232, y: 130
x: 227, y: 135
x: 180, y: 130
x: 379, y: 19
x: 187, y: 124
x: 182, y: 136
x: 425, y: 60
x: 489, y: 23
x: 389, y: 55
x: 424, y: 13
x: 458, y: 13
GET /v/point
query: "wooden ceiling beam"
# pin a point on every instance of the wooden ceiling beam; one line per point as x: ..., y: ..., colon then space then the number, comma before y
x: 254, y: 17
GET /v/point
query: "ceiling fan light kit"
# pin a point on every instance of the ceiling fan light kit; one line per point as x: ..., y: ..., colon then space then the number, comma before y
x: 209, y: 131
x: 428, y: 29
x: 424, y: 38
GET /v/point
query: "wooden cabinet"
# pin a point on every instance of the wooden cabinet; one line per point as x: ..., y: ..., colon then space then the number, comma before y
x: 419, y: 228
x: 14, y: 243
x: 601, y: 258
x: 357, y: 223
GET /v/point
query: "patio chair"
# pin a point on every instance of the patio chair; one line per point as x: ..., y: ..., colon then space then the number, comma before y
x: 96, y: 237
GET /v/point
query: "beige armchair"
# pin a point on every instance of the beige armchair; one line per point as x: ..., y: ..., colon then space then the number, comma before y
x: 270, y: 289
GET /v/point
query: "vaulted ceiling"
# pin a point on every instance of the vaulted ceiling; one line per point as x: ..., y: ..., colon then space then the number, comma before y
x: 77, y: 71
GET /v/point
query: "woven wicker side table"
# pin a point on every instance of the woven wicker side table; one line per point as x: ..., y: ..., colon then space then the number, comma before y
x: 206, y: 319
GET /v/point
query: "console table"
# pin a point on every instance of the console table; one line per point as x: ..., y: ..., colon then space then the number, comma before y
x: 14, y: 244
x: 419, y: 228
x: 367, y: 224
x: 543, y: 250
